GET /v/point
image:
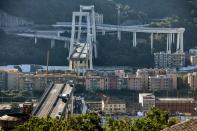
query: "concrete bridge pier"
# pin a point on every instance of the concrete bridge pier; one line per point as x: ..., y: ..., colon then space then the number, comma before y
x: 119, y: 35
x: 95, y: 51
x: 35, y: 40
x: 181, y: 42
x: 151, y: 41
x: 134, y: 39
x: 52, y: 43
x: 169, y: 42
x: 103, y: 32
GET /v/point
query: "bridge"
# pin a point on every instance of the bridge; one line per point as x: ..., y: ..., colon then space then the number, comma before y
x: 51, y: 104
x: 87, y: 24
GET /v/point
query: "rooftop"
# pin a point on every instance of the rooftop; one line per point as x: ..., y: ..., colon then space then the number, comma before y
x: 189, y: 125
x: 110, y: 100
x: 177, y: 99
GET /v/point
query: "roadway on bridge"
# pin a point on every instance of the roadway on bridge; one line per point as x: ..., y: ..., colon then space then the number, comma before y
x: 60, y: 105
x: 50, y: 100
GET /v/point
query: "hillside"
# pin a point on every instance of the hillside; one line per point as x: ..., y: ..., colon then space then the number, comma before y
x: 16, y: 50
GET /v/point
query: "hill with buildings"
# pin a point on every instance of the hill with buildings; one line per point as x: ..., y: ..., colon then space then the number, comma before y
x: 17, y: 50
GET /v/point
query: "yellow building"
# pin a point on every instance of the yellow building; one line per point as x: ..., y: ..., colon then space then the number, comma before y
x: 192, y: 80
x: 113, y: 106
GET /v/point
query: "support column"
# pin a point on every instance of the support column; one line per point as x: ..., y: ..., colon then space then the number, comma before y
x: 79, y: 28
x: 35, y: 40
x: 103, y: 32
x: 95, y: 51
x: 173, y: 38
x: 134, y: 39
x: 58, y: 33
x: 72, y: 36
x: 52, y: 43
x: 89, y: 41
x: 93, y: 26
x: 119, y: 35
x: 170, y: 42
x: 178, y: 42
x: 167, y: 48
x: 181, y: 42
x: 151, y: 42
x: 70, y: 64
x: 66, y: 45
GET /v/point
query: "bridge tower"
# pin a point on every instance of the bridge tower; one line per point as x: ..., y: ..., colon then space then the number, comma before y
x: 91, y: 10
x: 80, y: 53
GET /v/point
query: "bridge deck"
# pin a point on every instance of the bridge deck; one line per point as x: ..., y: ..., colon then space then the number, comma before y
x: 60, y: 105
x: 134, y: 28
x: 49, y: 101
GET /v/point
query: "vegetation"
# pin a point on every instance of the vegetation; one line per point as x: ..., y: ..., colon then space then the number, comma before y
x: 155, y: 120
x: 14, y: 93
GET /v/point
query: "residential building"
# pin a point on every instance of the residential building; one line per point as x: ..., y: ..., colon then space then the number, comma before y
x: 168, y: 60
x: 113, y: 82
x: 193, y: 51
x: 96, y: 82
x: 113, y: 105
x: 192, y: 80
x: 176, y: 105
x: 193, y: 60
x: 151, y: 72
x: 12, y: 79
x: 122, y: 83
x: 163, y: 82
x: 145, y: 73
x: 3, y: 80
x: 136, y: 83
x: 120, y: 73
x: 94, y: 105
x: 147, y: 101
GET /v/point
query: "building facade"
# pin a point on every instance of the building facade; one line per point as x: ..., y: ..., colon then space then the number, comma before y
x: 192, y: 80
x: 163, y: 82
x: 168, y: 60
x: 193, y: 60
x: 176, y: 105
x: 147, y: 100
x: 113, y: 106
x: 135, y: 83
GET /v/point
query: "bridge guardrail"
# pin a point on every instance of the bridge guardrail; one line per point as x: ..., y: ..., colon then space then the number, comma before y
x: 43, y: 98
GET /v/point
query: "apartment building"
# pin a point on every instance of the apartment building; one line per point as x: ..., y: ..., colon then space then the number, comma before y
x: 122, y: 83
x: 12, y: 79
x: 193, y: 51
x: 193, y: 60
x: 120, y: 73
x: 174, y: 105
x: 3, y: 80
x: 113, y: 105
x: 163, y: 82
x: 96, y: 82
x: 168, y: 60
x: 135, y: 83
x: 192, y: 80
x: 147, y: 100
